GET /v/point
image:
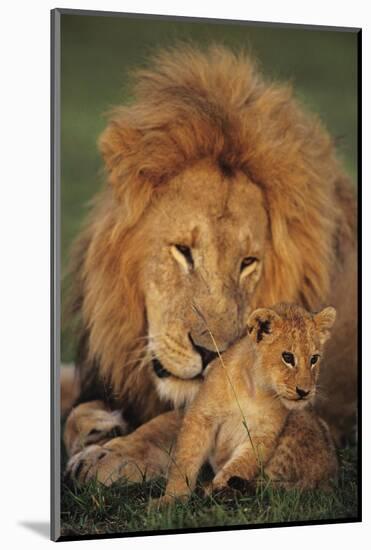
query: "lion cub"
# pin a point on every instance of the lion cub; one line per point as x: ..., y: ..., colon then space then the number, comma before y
x: 253, y: 413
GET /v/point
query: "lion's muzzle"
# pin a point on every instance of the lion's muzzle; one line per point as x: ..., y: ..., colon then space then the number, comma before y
x: 159, y: 369
x: 206, y: 354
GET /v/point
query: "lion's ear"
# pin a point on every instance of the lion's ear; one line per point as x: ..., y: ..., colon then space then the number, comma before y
x: 121, y: 148
x: 117, y: 142
x: 324, y: 321
x: 262, y: 325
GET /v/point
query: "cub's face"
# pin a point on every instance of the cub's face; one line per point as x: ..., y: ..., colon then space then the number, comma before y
x: 289, y: 344
x: 207, y: 239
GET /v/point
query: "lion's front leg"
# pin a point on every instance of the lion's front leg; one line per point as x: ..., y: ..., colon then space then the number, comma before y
x: 143, y: 454
x: 92, y: 423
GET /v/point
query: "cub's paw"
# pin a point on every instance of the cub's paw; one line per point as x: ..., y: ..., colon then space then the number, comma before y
x: 221, y: 492
x: 241, y: 485
x: 227, y: 489
x: 95, y: 462
x: 216, y: 485
x: 213, y: 489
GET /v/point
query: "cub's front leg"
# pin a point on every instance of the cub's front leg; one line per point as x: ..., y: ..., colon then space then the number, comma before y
x: 247, y: 462
x: 192, y: 450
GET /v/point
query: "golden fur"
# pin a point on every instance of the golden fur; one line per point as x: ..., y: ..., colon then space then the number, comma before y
x: 250, y: 415
x: 90, y: 423
x: 209, y: 150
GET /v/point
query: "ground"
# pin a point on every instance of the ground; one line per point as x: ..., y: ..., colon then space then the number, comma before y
x: 123, y: 507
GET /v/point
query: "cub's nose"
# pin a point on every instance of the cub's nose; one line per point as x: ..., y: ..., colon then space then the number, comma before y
x: 206, y: 354
x: 302, y: 393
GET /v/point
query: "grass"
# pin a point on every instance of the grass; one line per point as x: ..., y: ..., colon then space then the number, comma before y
x: 123, y: 508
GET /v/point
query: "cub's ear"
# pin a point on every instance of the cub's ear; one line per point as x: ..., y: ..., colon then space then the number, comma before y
x: 324, y: 321
x: 262, y: 323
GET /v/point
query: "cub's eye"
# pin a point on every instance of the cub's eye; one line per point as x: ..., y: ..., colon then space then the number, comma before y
x: 183, y: 255
x: 288, y: 358
x: 314, y: 359
x: 248, y: 265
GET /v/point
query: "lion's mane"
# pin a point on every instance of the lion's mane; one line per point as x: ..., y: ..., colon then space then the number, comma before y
x: 190, y: 105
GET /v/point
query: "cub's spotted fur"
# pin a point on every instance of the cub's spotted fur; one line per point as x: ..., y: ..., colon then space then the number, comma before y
x: 254, y: 412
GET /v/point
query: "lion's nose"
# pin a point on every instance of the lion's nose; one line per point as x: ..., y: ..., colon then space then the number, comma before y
x: 302, y: 393
x: 206, y: 354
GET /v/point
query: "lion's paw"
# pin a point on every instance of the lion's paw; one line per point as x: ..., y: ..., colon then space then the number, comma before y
x: 87, y: 426
x: 108, y: 426
x: 95, y: 462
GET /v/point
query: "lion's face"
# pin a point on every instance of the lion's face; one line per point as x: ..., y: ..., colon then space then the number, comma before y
x: 207, y: 238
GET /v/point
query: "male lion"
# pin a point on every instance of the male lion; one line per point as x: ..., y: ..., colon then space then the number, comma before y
x: 223, y: 196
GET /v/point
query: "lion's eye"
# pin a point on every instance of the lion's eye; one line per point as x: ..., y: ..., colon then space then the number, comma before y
x: 246, y: 262
x: 314, y: 359
x: 248, y: 265
x: 288, y: 358
x: 183, y: 254
x: 186, y: 251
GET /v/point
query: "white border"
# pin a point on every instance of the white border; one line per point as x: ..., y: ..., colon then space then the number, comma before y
x: 24, y: 216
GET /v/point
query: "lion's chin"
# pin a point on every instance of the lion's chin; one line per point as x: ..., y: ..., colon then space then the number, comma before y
x: 179, y: 392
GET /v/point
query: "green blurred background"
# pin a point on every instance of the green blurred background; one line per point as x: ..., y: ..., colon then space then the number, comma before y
x: 98, y: 51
